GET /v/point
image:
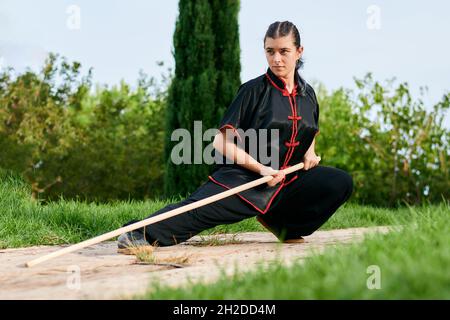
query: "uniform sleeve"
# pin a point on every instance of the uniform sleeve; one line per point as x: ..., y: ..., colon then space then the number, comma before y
x: 316, y: 112
x: 239, y: 113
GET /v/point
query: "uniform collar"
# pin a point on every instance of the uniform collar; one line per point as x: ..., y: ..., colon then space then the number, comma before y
x: 280, y: 84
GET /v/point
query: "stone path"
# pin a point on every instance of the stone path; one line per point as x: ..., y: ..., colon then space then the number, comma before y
x: 99, y: 272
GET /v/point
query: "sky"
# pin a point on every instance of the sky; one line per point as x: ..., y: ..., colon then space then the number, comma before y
x: 408, y: 40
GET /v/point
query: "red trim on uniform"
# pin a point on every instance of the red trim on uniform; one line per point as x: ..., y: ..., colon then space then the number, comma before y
x: 273, y: 83
x: 294, y: 92
x: 294, y: 178
x: 290, y: 145
x: 284, y: 91
x: 249, y: 202
x: 233, y: 128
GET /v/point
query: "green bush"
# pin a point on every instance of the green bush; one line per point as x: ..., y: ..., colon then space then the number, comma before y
x: 396, y: 151
x: 66, y: 140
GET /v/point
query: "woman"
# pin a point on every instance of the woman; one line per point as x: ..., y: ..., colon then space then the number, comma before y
x: 289, y: 206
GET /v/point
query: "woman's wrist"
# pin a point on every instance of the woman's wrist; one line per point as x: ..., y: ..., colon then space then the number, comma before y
x: 267, y: 171
x: 261, y: 169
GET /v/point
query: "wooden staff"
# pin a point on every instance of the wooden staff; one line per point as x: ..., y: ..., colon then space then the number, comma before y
x: 159, y: 217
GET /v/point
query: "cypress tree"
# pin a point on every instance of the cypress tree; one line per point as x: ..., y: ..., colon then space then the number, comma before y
x: 207, y: 76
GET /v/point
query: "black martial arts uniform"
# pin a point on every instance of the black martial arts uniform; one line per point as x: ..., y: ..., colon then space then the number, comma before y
x: 299, y: 204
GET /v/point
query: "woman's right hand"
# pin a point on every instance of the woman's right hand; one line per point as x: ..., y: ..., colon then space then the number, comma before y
x: 277, y: 174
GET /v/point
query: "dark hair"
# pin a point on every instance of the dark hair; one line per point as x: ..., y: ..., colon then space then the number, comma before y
x: 282, y: 29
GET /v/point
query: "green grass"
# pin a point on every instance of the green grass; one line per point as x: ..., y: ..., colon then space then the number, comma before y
x: 24, y: 222
x: 413, y: 262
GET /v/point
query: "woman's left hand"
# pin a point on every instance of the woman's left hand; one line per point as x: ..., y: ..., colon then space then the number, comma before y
x: 310, y: 160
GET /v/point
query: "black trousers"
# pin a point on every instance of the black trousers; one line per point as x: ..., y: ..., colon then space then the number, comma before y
x: 298, y: 210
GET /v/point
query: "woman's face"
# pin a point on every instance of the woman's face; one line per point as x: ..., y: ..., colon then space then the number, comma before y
x: 282, y: 55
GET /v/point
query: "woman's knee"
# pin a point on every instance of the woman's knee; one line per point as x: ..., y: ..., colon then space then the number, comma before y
x: 339, y: 182
x: 345, y: 184
x: 347, y: 181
